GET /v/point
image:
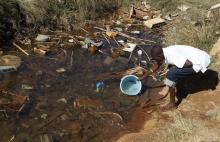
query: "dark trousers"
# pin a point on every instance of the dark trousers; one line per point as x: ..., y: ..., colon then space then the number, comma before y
x: 174, y: 74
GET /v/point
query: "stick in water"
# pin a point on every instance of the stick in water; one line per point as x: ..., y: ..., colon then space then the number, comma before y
x: 19, y: 48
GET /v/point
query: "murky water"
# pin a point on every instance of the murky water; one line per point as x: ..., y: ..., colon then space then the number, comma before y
x: 84, y: 115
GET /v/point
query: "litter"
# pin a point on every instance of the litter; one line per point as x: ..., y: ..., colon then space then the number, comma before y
x: 9, y: 63
x: 130, y: 48
x: 62, y: 100
x: 26, y: 87
x: 92, y: 49
x: 42, y: 38
x: 153, y: 22
x: 60, y: 70
x: 135, y: 32
x: 130, y: 85
x: 40, y: 51
x: 100, y: 87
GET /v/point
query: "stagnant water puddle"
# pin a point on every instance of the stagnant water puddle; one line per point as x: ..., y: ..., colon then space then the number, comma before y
x: 65, y: 106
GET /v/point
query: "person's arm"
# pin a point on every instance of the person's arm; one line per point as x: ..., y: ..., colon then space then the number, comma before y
x: 149, y: 72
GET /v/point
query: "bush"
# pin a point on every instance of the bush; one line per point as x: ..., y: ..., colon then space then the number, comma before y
x: 11, y: 19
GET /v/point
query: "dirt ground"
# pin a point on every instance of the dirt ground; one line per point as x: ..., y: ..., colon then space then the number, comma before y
x: 195, y: 120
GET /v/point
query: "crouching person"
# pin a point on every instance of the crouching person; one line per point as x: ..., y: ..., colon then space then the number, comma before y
x: 183, y: 61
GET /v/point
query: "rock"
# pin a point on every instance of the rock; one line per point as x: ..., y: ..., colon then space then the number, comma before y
x: 215, y: 49
x: 42, y: 38
x: 108, y: 60
x: 62, y: 100
x: 183, y: 7
x: 153, y: 22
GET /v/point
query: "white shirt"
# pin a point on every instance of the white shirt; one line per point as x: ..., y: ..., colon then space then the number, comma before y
x: 178, y: 54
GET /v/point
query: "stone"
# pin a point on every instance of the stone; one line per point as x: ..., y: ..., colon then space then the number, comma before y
x: 153, y: 22
x: 215, y: 49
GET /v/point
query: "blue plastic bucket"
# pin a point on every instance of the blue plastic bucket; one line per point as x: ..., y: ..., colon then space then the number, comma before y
x: 130, y: 85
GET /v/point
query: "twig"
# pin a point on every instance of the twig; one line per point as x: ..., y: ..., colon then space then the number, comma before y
x: 106, y: 39
x: 12, y: 138
x: 84, y: 30
x: 40, y: 42
x: 127, y: 36
x: 22, y: 50
x: 116, y: 42
x: 50, y: 121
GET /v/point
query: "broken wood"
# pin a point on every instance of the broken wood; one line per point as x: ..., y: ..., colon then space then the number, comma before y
x: 19, y: 48
x: 127, y: 36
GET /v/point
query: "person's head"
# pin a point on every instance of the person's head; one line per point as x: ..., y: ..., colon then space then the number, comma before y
x: 157, y: 54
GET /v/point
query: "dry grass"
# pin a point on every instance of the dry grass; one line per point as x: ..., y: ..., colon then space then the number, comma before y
x: 68, y: 11
x: 172, y: 4
x: 186, y: 33
x: 193, y: 27
x: 185, y: 129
